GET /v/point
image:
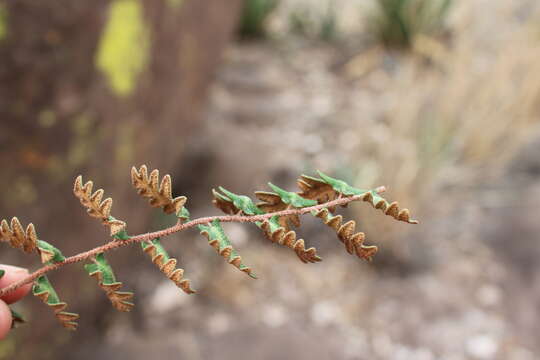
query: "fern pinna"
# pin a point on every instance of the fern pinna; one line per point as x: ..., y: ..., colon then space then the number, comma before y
x: 276, y: 214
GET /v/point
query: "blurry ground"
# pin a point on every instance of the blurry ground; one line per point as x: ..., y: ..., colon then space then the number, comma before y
x: 464, y: 284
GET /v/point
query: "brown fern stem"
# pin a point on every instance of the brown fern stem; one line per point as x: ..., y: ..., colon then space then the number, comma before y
x: 171, y: 230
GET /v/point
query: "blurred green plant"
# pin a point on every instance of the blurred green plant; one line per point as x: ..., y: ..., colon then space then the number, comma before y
x: 3, y: 22
x: 254, y: 18
x: 397, y: 22
x: 124, y: 47
x: 311, y: 22
x: 175, y: 4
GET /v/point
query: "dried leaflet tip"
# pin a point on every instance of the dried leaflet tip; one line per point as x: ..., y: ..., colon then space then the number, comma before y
x: 17, y: 237
x: 354, y: 243
x: 160, y: 195
x: 96, y: 207
x: 277, y: 234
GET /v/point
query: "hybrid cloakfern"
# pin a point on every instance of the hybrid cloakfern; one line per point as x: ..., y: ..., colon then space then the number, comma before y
x: 275, y: 215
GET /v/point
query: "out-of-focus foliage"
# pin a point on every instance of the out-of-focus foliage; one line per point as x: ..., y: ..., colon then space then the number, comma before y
x: 175, y: 4
x: 3, y: 22
x: 313, y: 22
x: 254, y: 17
x: 398, y: 22
x: 124, y: 47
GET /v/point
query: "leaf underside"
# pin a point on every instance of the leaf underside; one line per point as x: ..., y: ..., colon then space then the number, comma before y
x: 167, y: 265
x: 220, y: 242
x: 159, y: 194
x: 44, y: 290
x: 102, y: 271
x: 97, y: 208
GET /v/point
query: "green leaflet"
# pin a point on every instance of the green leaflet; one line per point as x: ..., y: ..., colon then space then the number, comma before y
x: 160, y: 250
x: 341, y: 186
x: 43, y: 285
x: 101, y: 265
x: 271, y: 227
x: 166, y: 264
x: 292, y: 198
x: 247, y: 206
x: 220, y: 196
x: 122, y: 235
x: 346, y: 189
x: 183, y: 214
x: 43, y: 289
x: 242, y: 202
x: 219, y: 241
x: 17, y: 319
x: 274, y: 224
x: 102, y: 271
x: 49, y: 253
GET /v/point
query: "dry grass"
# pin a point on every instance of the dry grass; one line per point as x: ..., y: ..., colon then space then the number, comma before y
x: 397, y: 23
x: 451, y: 111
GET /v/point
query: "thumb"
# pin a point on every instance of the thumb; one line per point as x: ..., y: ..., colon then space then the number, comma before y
x: 5, y: 319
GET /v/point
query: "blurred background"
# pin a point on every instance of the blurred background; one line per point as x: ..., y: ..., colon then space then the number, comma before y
x: 439, y: 100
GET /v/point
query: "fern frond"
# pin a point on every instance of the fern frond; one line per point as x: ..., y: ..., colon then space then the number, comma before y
x: 167, y: 265
x: 328, y: 188
x: 17, y: 237
x: 272, y: 228
x: 354, y: 242
x: 102, y: 271
x: 160, y: 195
x: 218, y: 240
x: 96, y: 207
x: 275, y: 214
x: 43, y: 289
